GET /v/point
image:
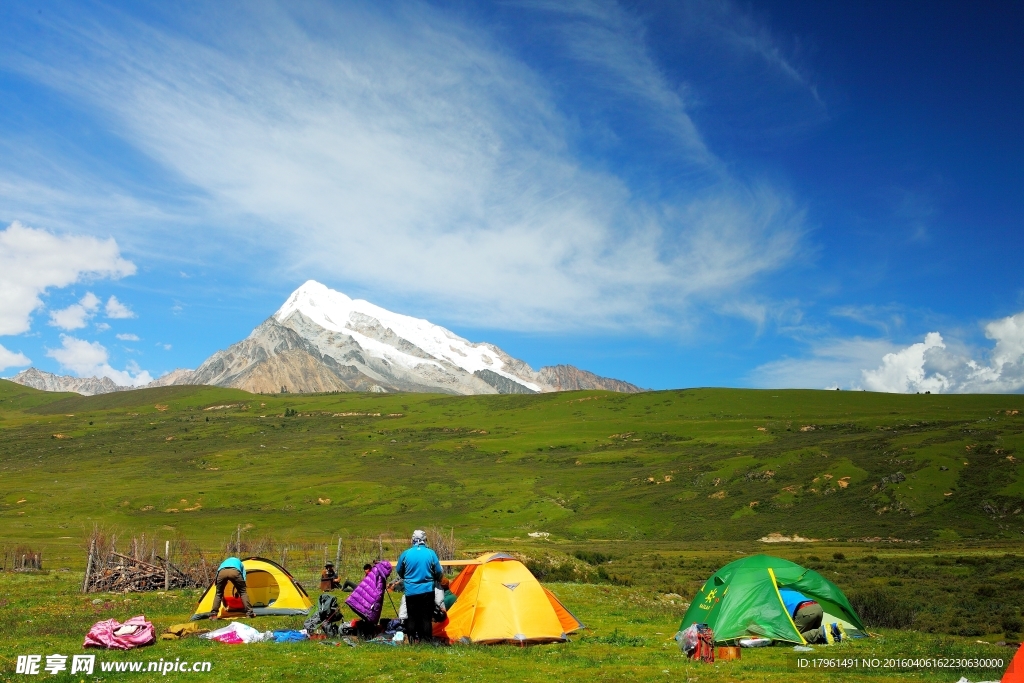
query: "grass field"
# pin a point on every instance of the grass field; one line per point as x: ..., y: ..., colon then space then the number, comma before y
x: 915, y: 502
x: 629, y: 639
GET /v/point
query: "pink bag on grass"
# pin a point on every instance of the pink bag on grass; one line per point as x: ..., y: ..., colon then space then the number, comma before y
x: 114, y: 635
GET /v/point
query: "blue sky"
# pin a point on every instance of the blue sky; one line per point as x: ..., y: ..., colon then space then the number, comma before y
x: 675, y: 194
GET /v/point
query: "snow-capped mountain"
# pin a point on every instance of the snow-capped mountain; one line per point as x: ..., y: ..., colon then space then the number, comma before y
x: 321, y: 340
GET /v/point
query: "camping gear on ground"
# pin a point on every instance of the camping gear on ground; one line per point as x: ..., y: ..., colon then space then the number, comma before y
x: 113, y: 635
x: 687, y: 639
x: 832, y: 633
x: 324, y: 616
x: 393, y: 627
x: 755, y: 642
x: 1015, y: 672
x: 367, y: 600
x: 500, y: 601
x: 697, y: 641
x: 727, y: 653
x: 272, y: 592
x: 237, y: 633
x: 705, y: 650
x: 742, y: 599
x: 289, y: 636
x: 179, y: 631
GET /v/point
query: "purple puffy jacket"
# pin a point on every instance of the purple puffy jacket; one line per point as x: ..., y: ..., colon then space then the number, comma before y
x: 367, y: 600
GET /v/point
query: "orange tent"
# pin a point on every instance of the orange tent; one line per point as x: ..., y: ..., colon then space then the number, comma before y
x: 500, y: 601
x: 1014, y: 674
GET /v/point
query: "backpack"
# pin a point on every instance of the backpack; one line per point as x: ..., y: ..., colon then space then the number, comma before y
x: 324, y: 615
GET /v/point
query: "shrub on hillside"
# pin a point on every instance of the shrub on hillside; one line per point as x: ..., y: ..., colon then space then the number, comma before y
x: 592, y: 557
x: 883, y: 608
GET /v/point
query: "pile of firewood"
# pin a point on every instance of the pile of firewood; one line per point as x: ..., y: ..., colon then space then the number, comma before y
x: 123, y: 574
x: 139, y: 568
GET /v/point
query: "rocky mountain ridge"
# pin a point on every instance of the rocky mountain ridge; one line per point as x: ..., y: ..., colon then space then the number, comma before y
x: 321, y: 340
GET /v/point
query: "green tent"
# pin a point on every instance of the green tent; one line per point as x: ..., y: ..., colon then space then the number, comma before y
x: 742, y: 599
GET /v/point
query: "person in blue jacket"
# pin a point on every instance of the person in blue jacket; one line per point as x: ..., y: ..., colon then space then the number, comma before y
x: 419, y: 568
x: 231, y: 570
x: 806, y: 614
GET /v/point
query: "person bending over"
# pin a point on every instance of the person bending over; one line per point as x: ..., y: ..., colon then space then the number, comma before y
x: 806, y: 614
x: 419, y: 568
x: 231, y: 570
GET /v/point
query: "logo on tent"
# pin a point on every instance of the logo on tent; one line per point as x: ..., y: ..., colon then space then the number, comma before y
x: 510, y: 586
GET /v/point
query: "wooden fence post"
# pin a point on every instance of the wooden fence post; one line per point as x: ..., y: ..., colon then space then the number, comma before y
x: 337, y: 556
x: 167, y: 565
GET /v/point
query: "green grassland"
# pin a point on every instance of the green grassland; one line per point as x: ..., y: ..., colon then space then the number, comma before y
x: 629, y: 639
x: 915, y: 503
x: 694, y: 465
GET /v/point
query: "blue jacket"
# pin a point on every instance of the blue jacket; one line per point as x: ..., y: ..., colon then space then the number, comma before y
x: 793, y: 599
x: 233, y: 563
x: 419, y: 567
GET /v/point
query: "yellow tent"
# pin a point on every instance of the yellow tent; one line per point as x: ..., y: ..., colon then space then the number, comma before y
x: 500, y: 601
x: 272, y: 592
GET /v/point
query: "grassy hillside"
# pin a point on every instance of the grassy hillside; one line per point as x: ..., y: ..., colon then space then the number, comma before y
x: 643, y: 497
x: 702, y: 464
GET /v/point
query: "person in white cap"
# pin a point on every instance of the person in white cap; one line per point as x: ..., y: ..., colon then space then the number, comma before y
x: 419, y: 568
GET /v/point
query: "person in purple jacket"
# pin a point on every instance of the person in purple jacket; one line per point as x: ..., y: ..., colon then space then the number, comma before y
x: 367, y: 600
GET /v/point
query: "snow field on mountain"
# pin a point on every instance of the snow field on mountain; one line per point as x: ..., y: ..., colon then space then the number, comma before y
x: 333, y: 311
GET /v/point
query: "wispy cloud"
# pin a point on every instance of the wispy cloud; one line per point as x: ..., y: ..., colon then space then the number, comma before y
x: 832, y: 363
x: 411, y: 155
x: 885, y: 319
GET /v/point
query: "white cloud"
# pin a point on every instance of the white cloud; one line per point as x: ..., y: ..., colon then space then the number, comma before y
x: 90, y: 359
x: 10, y: 359
x: 429, y: 161
x: 102, y: 327
x: 934, y: 364
x: 116, y: 309
x: 76, y: 316
x: 903, y: 371
x: 32, y: 261
x: 128, y: 337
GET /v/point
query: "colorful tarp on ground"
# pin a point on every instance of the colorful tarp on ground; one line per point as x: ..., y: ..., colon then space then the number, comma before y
x: 500, y: 601
x: 742, y: 599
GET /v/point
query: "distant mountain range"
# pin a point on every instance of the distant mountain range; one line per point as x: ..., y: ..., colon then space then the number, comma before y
x: 321, y: 340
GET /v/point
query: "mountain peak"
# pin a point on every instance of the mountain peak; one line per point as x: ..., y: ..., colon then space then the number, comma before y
x: 322, y: 340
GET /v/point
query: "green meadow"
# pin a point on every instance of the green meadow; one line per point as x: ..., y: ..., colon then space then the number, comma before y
x: 912, y: 504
